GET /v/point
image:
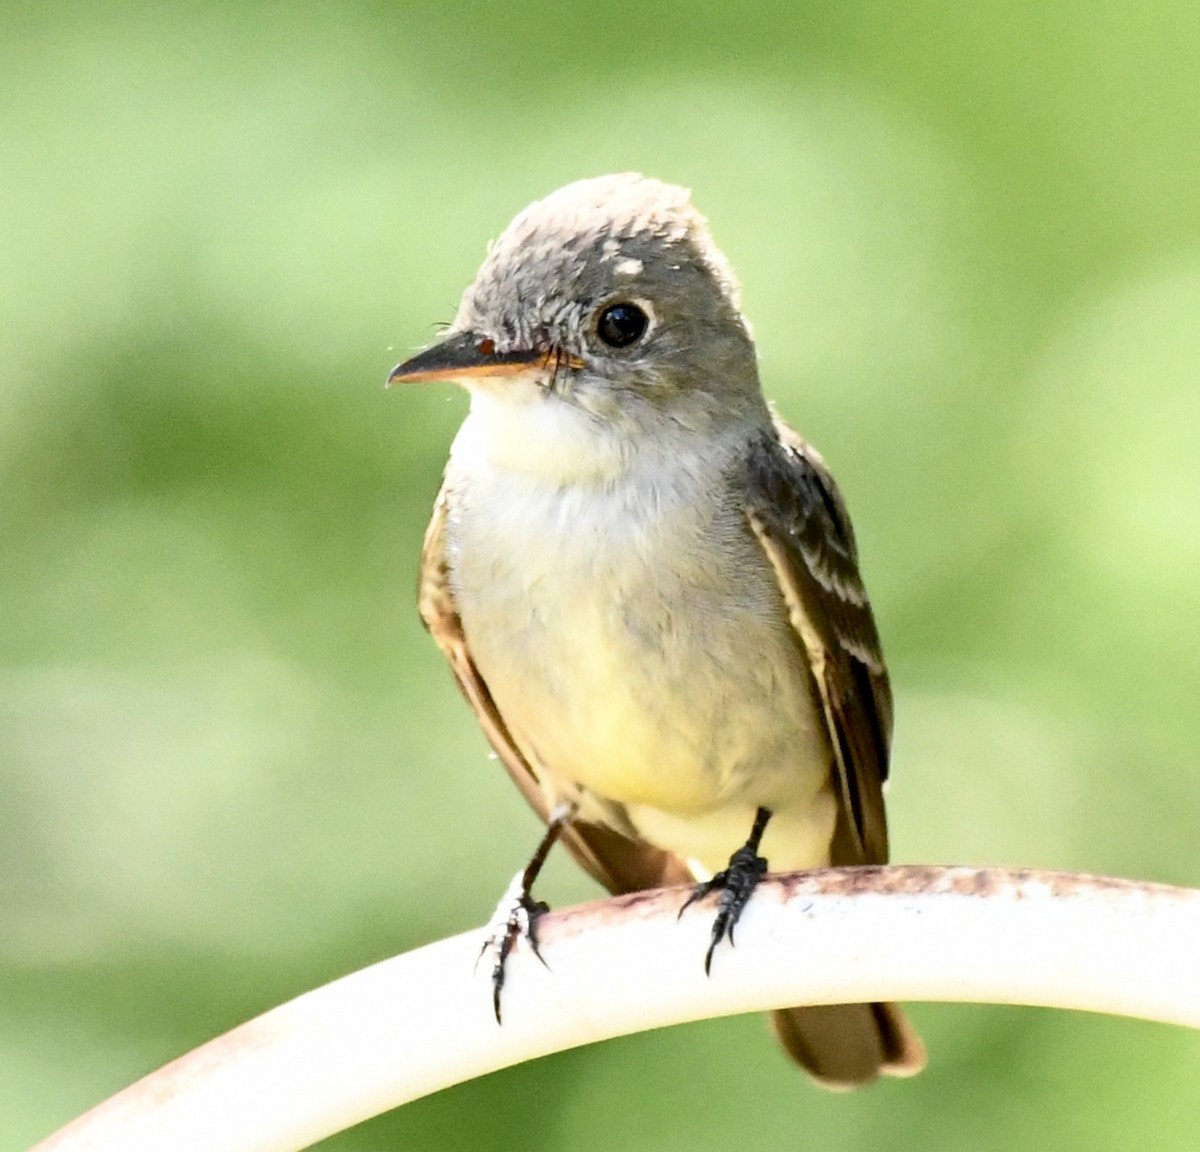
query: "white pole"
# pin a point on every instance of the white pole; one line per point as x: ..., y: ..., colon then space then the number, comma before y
x: 423, y: 1021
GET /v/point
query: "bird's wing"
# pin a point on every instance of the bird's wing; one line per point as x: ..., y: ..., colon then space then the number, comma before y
x: 618, y: 862
x: 798, y: 516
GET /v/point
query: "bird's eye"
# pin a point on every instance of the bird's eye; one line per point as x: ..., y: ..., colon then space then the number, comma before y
x: 620, y: 325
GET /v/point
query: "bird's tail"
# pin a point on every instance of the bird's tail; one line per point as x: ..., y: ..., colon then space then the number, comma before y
x: 844, y: 1046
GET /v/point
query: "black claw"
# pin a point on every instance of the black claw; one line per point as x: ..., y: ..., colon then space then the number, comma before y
x: 522, y: 921
x: 736, y: 884
x: 534, y: 911
x: 502, y: 952
x: 520, y: 917
x: 699, y: 892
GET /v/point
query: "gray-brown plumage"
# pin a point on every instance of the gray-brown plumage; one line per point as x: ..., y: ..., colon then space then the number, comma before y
x: 647, y: 586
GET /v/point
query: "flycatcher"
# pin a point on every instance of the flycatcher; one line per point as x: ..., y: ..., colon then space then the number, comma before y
x: 647, y: 584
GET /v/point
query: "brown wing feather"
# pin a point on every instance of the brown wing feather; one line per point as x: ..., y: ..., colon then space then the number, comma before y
x: 618, y: 862
x: 798, y: 515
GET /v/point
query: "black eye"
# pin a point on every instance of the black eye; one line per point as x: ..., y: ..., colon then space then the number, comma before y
x: 620, y: 325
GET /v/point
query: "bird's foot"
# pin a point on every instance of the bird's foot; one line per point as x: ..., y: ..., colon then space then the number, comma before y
x: 516, y: 917
x: 736, y: 883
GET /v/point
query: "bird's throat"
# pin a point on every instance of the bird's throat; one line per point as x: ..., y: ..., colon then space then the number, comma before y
x: 524, y: 430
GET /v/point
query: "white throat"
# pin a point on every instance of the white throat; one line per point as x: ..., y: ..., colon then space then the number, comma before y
x: 522, y: 430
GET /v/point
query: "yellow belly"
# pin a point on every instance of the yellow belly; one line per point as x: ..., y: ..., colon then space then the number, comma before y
x: 665, y: 727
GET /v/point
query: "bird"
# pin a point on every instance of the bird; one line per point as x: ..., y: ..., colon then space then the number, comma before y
x: 647, y: 584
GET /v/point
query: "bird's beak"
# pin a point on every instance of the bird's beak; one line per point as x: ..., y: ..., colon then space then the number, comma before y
x: 468, y: 356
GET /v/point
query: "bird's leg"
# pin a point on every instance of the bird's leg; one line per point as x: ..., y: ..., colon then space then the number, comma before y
x: 517, y: 913
x: 736, y: 882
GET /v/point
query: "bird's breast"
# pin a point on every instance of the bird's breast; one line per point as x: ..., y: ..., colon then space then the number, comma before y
x: 634, y: 639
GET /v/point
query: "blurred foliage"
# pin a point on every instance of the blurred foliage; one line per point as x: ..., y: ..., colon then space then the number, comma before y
x: 232, y: 766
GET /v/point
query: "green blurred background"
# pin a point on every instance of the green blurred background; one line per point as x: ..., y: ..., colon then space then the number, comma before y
x: 231, y: 764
